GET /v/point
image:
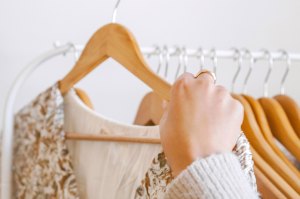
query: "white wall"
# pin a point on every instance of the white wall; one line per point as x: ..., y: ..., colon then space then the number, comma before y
x: 28, y: 28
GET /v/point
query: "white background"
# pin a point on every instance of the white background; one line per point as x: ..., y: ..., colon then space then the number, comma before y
x: 28, y: 28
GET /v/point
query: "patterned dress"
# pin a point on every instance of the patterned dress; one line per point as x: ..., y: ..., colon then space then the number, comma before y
x: 42, y: 165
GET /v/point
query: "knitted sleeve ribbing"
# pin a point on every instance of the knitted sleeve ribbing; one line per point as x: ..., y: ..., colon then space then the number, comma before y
x: 217, y: 176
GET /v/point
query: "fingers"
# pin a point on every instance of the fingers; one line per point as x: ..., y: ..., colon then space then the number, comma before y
x: 221, y: 90
x: 182, y: 84
x: 187, y: 84
x: 186, y: 79
x: 205, y: 78
x: 239, y: 110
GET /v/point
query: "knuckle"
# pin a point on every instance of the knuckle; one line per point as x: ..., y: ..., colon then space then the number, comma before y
x: 183, y: 81
x: 204, y: 79
x: 203, y: 83
x: 237, y: 106
x: 222, y: 95
x: 222, y: 91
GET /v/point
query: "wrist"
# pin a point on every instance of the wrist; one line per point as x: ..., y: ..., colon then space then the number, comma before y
x: 181, y: 160
x: 181, y: 163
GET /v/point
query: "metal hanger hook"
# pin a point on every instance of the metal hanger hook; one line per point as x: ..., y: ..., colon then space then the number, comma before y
x: 270, y: 60
x: 286, y: 57
x: 200, y: 55
x: 213, y: 56
x: 237, y: 56
x: 178, y: 52
x: 115, y: 12
x: 185, y: 59
x: 155, y: 52
x: 167, y: 59
x: 72, y: 47
x: 76, y: 54
x: 159, y: 52
x: 247, y: 54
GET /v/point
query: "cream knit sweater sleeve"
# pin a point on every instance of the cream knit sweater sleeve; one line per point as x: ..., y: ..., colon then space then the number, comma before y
x: 217, y: 176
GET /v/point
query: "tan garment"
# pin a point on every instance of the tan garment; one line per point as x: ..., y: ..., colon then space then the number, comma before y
x: 106, y: 169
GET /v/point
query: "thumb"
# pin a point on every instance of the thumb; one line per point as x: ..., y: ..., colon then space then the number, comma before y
x: 165, y: 105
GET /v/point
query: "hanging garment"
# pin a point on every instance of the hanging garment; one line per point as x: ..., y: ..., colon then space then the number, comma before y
x: 48, y: 166
x: 42, y: 166
x: 106, y: 169
x: 45, y: 165
x: 159, y: 176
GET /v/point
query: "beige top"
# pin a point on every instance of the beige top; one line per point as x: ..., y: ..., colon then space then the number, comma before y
x: 106, y: 169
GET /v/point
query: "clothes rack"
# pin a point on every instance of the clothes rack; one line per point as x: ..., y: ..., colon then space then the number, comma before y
x: 7, y: 136
x: 207, y: 53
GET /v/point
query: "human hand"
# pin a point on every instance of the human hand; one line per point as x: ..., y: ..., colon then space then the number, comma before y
x: 201, y: 119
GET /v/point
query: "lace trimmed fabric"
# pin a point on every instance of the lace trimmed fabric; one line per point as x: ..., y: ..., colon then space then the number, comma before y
x: 41, y: 163
x: 159, y: 175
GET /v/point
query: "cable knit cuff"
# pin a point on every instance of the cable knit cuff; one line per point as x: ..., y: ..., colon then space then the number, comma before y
x: 217, y: 176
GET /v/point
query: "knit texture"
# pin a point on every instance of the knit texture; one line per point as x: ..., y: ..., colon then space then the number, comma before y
x: 217, y: 176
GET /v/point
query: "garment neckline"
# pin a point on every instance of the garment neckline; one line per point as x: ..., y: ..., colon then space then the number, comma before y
x: 111, y: 124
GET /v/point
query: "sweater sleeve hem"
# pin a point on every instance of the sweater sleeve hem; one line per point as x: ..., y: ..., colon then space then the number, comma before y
x: 216, y: 176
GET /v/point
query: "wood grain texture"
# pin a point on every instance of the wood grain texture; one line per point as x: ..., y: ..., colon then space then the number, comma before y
x: 265, y: 187
x: 150, y: 110
x: 258, y: 142
x: 280, y: 126
x: 116, y: 42
x: 84, y: 97
x: 292, y: 111
x: 273, y: 176
x: 267, y: 133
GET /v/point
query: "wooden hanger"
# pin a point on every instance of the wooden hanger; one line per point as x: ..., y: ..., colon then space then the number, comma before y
x: 280, y: 125
x: 258, y: 142
x: 266, y: 131
x: 150, y: 110
x: 113, y: 41
x: 273, y: 176
x: 265, y: 187
x: 289, y: 105
x: 292, y: 111
x: 84, y: 97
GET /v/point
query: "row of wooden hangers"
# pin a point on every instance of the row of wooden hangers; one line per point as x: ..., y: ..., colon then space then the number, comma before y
x: 266, y: 119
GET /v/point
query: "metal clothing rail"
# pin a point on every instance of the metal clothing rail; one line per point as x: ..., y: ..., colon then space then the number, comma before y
x: 7, y: 136
x: 228, y: 54
x: 223, y: 54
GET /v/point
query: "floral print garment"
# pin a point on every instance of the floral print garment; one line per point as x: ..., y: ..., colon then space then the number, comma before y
x: 159, y: 175
x: 41, y: 165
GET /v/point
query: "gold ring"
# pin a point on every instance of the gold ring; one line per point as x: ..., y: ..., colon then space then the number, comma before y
x: 213, y: 75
